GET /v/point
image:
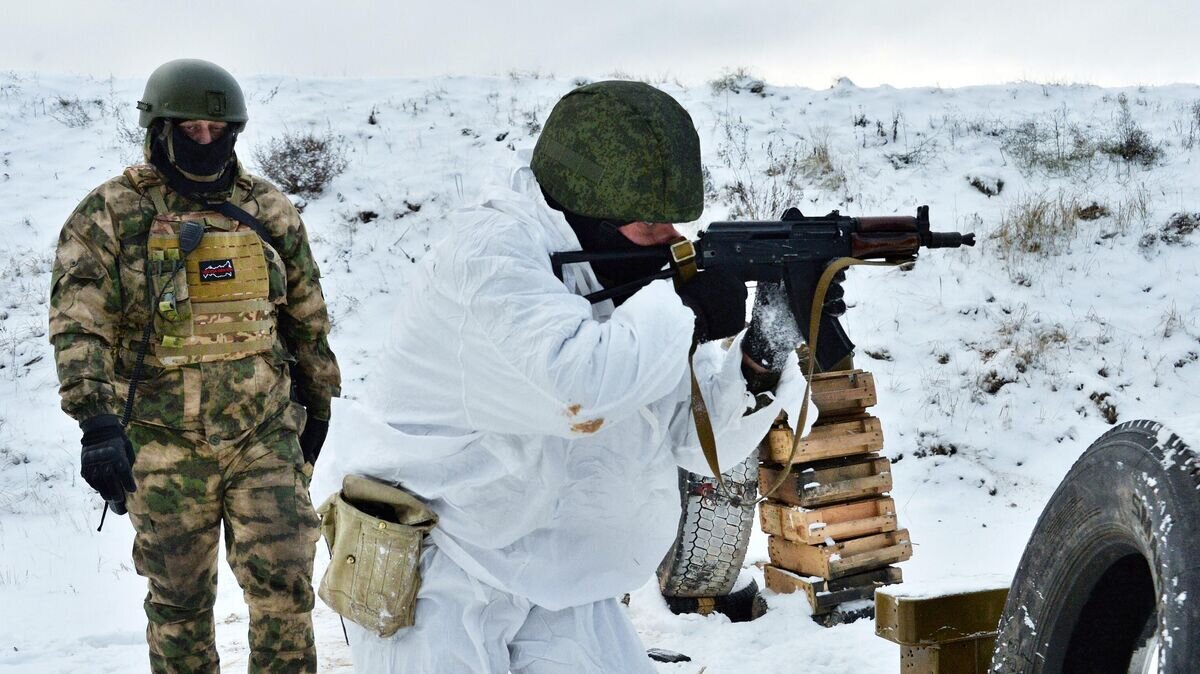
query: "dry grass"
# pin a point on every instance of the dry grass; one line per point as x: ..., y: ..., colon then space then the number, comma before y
x: 765, y: 182
x: 1036, y: 226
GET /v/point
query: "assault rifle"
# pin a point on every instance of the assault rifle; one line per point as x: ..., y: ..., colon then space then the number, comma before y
x: 794, y: 250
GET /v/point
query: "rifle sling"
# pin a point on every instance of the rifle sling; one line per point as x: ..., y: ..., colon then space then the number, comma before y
x: 700, y: 416
x: 230, y: 210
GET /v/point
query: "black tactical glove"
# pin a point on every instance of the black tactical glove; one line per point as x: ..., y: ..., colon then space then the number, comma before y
x: 312, y: 438
x: 772, y: 335
x: 107, y: 458
x: 835, y: 296
x: 718, y: 299
x: 774, y: 331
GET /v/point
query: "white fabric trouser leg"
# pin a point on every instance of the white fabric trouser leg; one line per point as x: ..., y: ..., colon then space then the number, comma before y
x: 464, y: 626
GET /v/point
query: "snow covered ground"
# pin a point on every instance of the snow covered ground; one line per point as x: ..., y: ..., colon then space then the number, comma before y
x: 996, y: 366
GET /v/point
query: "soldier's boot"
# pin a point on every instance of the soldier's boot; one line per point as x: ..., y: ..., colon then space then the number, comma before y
x: 271, y: 530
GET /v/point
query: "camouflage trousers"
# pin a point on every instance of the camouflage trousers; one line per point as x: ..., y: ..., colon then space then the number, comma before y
x: 254, y: 486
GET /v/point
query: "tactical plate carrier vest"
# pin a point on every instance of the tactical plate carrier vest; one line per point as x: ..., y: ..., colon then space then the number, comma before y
x: 219, y: 302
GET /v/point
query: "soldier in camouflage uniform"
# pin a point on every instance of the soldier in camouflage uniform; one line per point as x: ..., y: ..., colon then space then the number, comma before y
x: 238, y: 334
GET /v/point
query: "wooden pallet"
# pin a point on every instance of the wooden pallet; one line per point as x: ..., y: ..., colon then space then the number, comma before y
x: 830, y: 481
x: 846, y: 558
x: 825, y: 595
x: 821, y: 525
x: 844, y: 438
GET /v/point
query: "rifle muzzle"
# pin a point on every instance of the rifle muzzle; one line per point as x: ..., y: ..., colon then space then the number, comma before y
x: 948, y: 240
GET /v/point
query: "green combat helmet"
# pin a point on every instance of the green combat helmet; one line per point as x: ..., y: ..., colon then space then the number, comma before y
x: 621, y: 151
x: 192, y: 89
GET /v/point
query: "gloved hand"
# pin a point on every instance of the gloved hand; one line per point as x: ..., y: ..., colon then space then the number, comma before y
x: 718, y: 298
x: 835, y: 296
x: 313, y: 437
x: 773, y: 332
x: 107, y: 457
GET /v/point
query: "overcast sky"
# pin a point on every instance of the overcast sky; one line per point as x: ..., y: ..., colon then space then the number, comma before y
x: 897, y: 42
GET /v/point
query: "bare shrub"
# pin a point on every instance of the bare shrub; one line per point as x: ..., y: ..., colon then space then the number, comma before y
x: 72, y: 112
x: 1177, y: 231
x: 1056, y: 146
x: 988, y: 185
x: 918, y: 154
x: 765, y: 183
x: 736, y: 81
x: 1129, y: 141
x: 1094, y: 211
x: 1189, y: 127
x: 1037, y: 226
x: 302, y: 163
x: 1107, y: 409
x: 529, y: 119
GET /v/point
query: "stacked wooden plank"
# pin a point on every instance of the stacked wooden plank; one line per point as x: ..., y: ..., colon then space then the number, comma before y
x: 833, y: 529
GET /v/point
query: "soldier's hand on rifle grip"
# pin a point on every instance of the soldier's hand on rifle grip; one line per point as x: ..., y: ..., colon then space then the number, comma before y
x: 107, y: 457
x: 835, y: 302
x: 718, y: 298
x: 773, y: 331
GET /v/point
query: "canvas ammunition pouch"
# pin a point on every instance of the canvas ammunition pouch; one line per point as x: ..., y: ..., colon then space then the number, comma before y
x: 219, y: 303
x: 374, y: 532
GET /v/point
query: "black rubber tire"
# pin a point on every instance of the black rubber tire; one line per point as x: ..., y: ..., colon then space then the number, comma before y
x: 1111, y: 568
x: 741, y: 606
x: 708, y: 552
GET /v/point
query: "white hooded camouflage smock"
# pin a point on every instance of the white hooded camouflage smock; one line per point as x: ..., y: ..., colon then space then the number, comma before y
x: 543, y: 430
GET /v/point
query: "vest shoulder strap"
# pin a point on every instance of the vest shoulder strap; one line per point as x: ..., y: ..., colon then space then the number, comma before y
x: 148, y: 183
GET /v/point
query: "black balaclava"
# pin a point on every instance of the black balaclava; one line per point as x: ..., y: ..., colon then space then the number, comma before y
x: 599, y: 235
x: 189, y: 167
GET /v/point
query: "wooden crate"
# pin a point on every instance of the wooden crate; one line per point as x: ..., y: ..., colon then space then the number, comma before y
x: 830, y: 481
x: 973, y: 656
x: 941, y: 633
x: 843, y: 393
x: 826, y: 595
x: 846, y: 558
x: 856, y: 436
x: 913, y: 617
x: 837, y: 522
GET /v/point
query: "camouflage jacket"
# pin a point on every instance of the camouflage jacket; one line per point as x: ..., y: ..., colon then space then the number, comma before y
x: 99, y: 307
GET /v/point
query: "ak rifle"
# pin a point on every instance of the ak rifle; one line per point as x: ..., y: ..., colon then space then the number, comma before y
x: 794, y: 250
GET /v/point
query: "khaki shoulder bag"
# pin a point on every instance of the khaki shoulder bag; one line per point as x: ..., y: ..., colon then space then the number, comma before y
x: 374, y: 532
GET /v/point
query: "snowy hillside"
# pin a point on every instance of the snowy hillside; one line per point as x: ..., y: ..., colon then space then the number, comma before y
x: 996, y: 365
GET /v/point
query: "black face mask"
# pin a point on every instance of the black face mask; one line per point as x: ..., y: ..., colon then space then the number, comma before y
x: 598, y: 235
x: 604, y: 236
x: 192, y: 168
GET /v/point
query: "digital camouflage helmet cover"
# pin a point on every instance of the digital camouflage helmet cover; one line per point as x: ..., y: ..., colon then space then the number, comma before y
x: 621, y: 151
